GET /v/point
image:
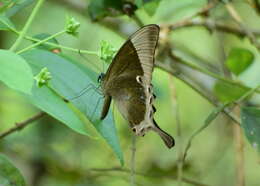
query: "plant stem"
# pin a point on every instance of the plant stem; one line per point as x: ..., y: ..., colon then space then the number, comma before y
x: 174, y: 98
x: 41, y: 41
x: 64, y: 47
x: 27, y: 25
x: 151, y: 176
x: 239, y: 153
x: 54, y: 44
x: 132, y: 173
x: 22, y: 124
x: 211, y: 74
x: 169, y: 70
x: 137, y: 19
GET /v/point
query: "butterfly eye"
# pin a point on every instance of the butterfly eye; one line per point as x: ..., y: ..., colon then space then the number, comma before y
x: 134, y: 130
x: 100, y: 77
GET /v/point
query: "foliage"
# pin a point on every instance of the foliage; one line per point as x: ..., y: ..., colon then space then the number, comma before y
x: 239, y: 60
x: 46, y: 46
x: 250, y: 122
x: 227, y: 92
x: 213, y: 74
x: 15, y: 72
x: 103, y: 8
x: 9, y: 175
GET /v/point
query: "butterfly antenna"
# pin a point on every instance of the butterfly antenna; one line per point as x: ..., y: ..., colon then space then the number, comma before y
x: 83, y: 91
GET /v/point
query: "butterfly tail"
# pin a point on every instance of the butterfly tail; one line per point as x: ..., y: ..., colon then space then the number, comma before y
x: 167, y: 139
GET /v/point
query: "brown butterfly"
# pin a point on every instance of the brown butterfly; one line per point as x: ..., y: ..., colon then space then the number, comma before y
x: 128, y: 82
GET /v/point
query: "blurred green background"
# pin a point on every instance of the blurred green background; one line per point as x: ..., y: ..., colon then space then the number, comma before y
x: 50, y: 154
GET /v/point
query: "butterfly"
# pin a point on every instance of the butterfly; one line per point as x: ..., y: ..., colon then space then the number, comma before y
x: 128, y: 82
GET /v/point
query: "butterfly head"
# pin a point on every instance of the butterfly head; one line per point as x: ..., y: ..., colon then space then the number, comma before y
x: 101, y: 77
x: 141, y: 129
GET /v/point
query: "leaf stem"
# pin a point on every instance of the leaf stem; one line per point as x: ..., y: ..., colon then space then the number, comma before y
x: 22, y: 124
x: 174, y: 98
x: 169, y: 70
x: 211, y: 74
x: 132, y: 172
x: 27, y: 25
x: 41, y: 41
x: 53, y: 44
x: 64, y: 47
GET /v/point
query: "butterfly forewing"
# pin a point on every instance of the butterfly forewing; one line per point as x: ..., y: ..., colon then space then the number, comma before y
x: 138, y: 51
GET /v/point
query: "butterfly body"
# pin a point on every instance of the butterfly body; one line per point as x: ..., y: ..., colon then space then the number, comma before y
x: 128, y: 83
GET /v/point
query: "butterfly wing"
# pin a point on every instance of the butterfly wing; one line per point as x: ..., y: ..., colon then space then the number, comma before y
x: 128, y: 82
x: 134, y: 58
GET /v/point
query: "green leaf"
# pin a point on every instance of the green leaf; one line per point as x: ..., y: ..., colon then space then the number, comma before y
x: 17, y: 6
x: 68, y: 81
x: 5, y: 4
x: 5, y: 23
x: 239, y: 59
x: 9, y: 174
x: 227, y: 92
x: 102, y: 8
x: 151, y: 7
x: 45, y: 46
x: 250, y: 117
x: 139, y: 3
x: 50, y: 102
x: 207, y: 122
x: 15, y: 72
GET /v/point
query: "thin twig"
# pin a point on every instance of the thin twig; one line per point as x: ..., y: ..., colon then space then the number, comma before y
x: 203, y: 11
x: 27, y: 25
x: 208, y: 73
x: 201, y: 93
x: 174, y: 97
x: 41, y: 42
x: 138, y: 21
x: 239, y: 154
x: 236, y: 17
x: 132, y: 163
x: 159, y: 176
x: 256, y: 6
x: 21, y: 125
x: 212, y: 25
x: 52, y: 44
